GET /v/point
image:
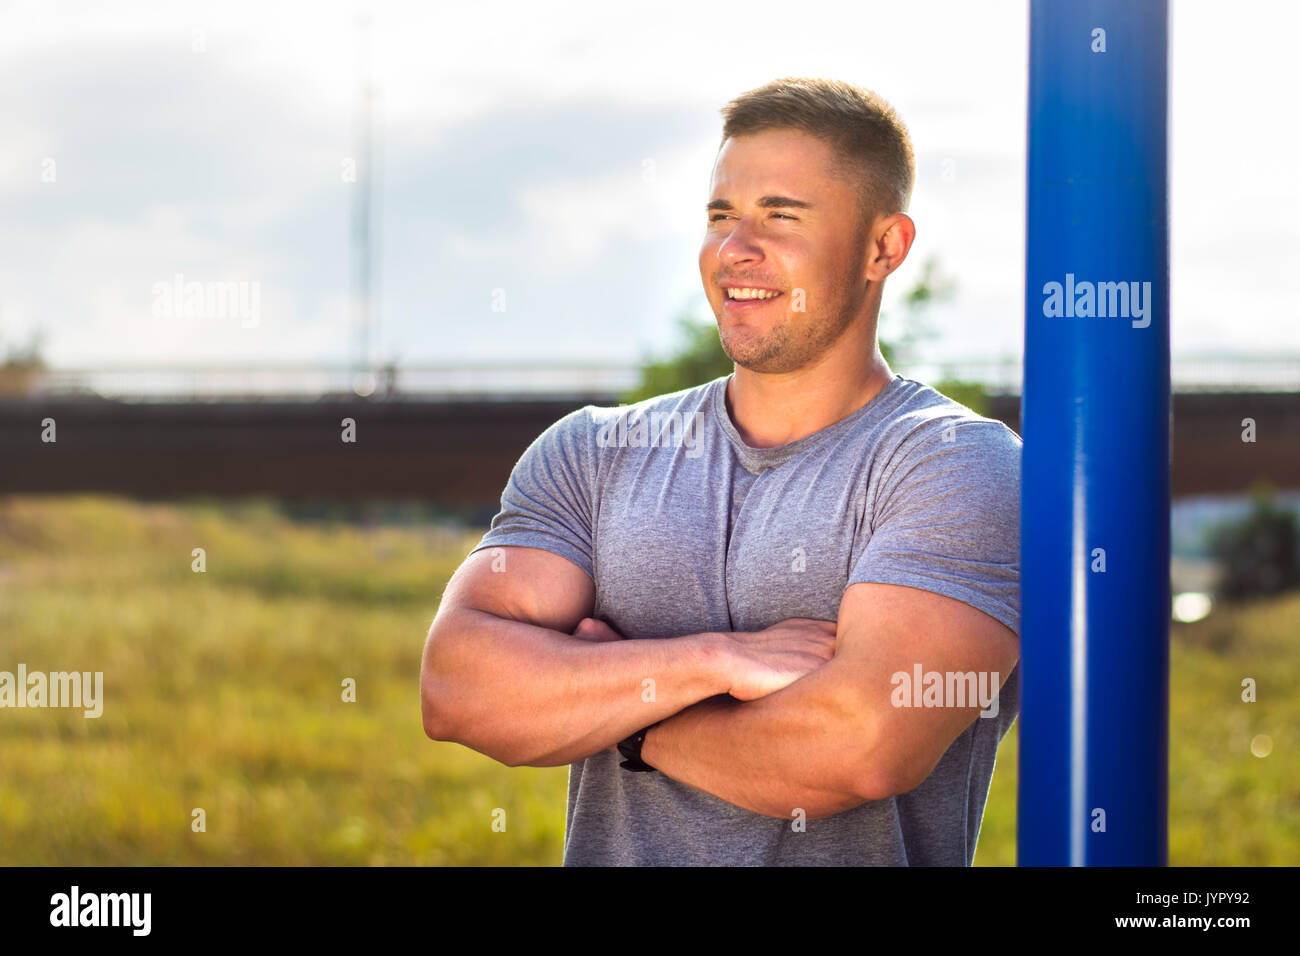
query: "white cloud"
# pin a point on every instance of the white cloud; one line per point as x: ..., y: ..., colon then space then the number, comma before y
x: 266, y: 108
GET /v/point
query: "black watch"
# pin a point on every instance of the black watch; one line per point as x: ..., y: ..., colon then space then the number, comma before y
x: 630, y: 748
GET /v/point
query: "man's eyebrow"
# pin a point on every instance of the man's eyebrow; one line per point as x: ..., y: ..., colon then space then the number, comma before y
x: 766, y: 202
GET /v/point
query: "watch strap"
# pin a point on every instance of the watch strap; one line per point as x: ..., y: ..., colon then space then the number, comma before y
x: 630, y: 748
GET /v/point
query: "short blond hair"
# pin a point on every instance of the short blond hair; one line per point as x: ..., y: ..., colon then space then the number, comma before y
x: 872, y: 144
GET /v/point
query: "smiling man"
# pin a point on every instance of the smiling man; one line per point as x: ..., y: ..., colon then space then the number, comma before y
x: 785, y: 633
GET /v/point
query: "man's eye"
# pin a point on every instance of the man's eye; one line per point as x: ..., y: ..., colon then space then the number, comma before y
x: 776, y: 215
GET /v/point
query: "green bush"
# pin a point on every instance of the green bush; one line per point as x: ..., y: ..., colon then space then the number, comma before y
x: 1257, y: 552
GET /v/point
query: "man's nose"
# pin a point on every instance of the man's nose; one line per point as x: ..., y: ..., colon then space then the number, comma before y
x: 740, y: 245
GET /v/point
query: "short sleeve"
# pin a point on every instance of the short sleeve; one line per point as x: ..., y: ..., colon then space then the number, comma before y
x: 547, y: 503
x: 947, y: 517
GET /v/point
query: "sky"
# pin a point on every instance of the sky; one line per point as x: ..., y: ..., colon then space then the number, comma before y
x: 544, y: 169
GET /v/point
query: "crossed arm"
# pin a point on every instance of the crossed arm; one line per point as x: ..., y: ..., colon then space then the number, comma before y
x: 834, y: 739
x: 503, y: 674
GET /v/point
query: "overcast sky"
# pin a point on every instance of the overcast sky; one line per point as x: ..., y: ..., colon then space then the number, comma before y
x: 561, y: 153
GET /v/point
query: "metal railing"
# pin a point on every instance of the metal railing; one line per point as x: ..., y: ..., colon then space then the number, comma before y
x: 229, y: 382
x: 1190, y: 373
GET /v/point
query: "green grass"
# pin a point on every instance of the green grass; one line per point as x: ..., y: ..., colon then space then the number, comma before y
x: 223, y: 692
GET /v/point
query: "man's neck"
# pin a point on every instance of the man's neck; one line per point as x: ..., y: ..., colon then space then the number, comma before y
x: 770, y: 410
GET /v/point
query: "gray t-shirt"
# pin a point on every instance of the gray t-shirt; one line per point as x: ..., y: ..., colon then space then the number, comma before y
x: 684, y: 528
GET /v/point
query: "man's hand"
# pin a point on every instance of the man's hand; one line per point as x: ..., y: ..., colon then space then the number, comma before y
x: 762, y: 662
x: 758, y: 662
x: 596, y: 631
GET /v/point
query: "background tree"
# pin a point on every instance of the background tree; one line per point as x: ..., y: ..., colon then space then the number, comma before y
x: 20, y: 366
x: 1258, y: 552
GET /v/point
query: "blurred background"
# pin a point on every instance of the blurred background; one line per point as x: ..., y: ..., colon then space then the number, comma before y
x: 229, y: 228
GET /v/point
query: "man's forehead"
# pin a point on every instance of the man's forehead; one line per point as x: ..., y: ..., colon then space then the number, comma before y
x: 772, y: 163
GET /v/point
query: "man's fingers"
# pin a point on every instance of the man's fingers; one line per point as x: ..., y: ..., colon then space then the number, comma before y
x: 590, y: 629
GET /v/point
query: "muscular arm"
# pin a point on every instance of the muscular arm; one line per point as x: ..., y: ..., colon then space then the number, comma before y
x: 503, y: 675
x: 833, y: 739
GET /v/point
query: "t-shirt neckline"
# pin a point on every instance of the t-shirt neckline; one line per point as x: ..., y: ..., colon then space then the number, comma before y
x: 759, y: 459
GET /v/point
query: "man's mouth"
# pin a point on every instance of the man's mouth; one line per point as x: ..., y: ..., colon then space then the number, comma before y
x: 741, y: 297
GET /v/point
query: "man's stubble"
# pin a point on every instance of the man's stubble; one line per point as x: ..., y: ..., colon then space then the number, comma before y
x: 789, y: 345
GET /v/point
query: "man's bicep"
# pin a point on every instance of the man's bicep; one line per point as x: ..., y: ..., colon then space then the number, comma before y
x: 522, y: 584
x: 536, y: 562
x: 888, y: 635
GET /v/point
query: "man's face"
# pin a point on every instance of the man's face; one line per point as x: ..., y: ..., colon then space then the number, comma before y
x: 782, y: 219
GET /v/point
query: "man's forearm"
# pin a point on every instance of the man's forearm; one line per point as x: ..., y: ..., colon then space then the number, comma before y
x: 528, y: 695
x: 799, y: 748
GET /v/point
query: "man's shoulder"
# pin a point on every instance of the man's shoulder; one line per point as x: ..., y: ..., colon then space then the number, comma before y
x: 923, y: 414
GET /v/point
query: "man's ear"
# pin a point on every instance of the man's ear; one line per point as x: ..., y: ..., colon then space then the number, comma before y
x: 891, y: 239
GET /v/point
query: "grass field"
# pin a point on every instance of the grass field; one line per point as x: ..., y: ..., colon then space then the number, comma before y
x: 223, y: 692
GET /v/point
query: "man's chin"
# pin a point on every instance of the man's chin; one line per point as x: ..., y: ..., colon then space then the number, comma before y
x: 756, y: 356
x: 765, y: 365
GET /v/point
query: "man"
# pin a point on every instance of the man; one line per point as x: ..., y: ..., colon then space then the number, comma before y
x: 771, y: 620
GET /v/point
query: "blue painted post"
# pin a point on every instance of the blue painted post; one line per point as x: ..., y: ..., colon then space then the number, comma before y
x: 1095, y: 419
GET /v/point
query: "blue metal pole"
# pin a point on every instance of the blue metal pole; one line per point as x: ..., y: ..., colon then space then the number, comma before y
x: 1095, y: 419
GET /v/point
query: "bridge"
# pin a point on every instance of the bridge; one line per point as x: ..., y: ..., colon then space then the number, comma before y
x: 450, y: 434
